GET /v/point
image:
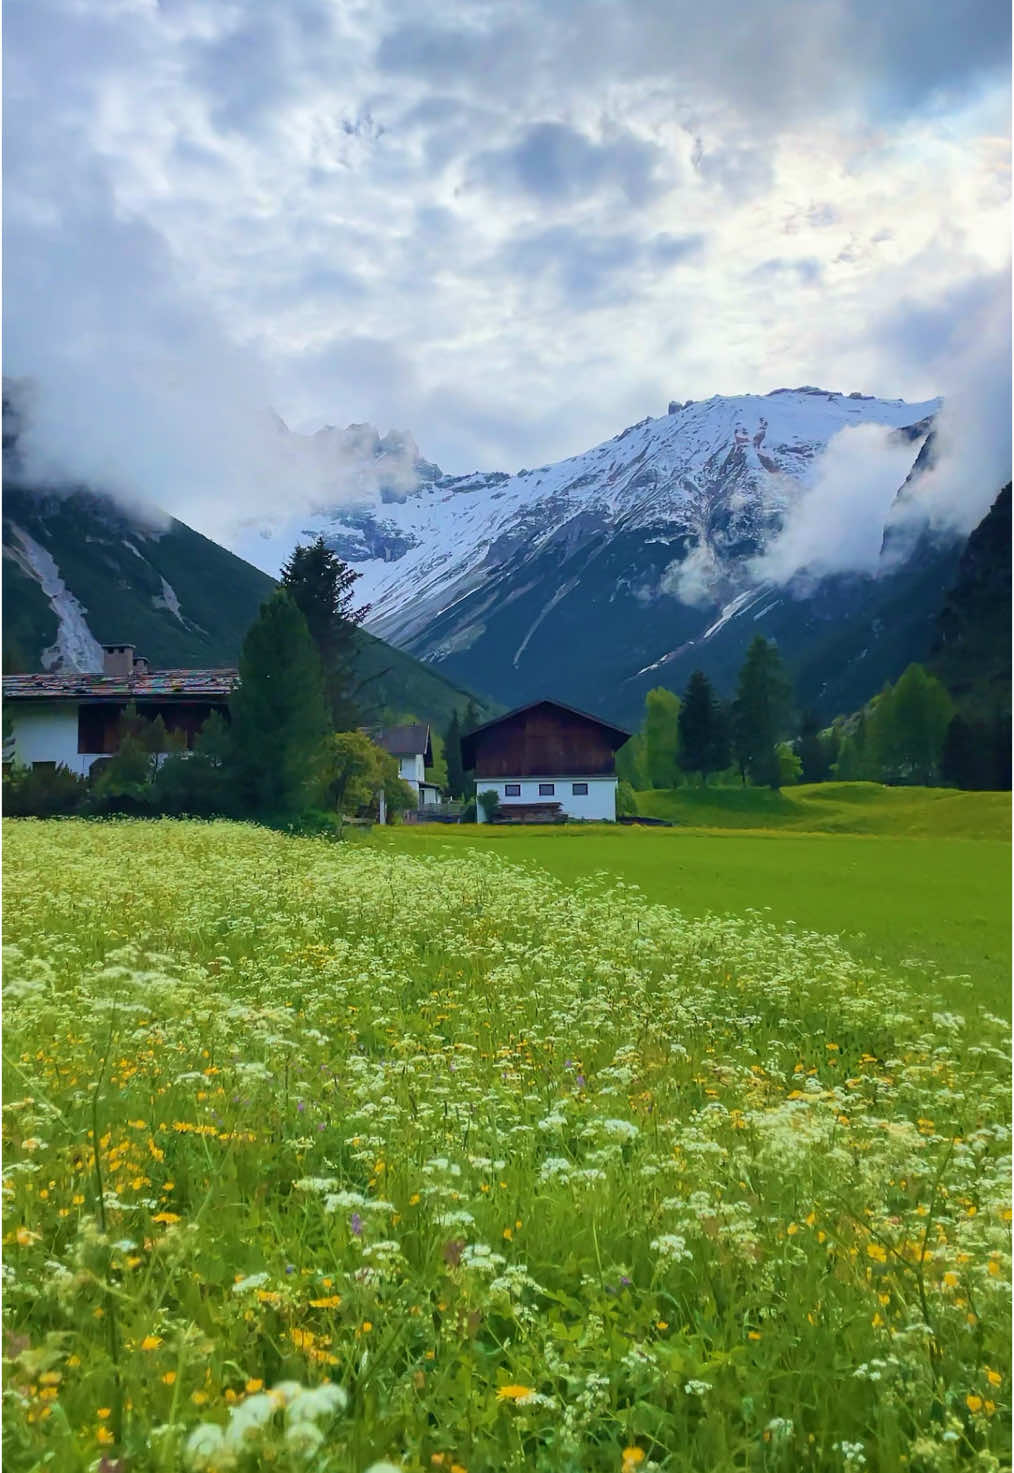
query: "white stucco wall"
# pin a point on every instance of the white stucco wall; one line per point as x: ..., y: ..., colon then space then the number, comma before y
x: 46, y: 731
x: 599, y: 803
x: 412, y: 769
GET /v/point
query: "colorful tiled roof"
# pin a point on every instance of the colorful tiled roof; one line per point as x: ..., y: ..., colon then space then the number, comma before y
x: 154, y: 684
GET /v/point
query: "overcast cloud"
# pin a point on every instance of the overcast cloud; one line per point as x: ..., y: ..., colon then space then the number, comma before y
x: 512, y: 228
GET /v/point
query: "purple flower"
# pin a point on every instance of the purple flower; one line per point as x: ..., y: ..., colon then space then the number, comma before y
x: 300, y: 1106
x: 579, y: 1081
x: 290, y: 1268
x: 356, y: 1224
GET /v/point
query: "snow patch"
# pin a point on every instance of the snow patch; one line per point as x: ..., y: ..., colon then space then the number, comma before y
x: 168, y: 600
x: 75, y: 648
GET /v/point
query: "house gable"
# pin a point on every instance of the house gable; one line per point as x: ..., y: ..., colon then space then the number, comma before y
x: 545, y: 739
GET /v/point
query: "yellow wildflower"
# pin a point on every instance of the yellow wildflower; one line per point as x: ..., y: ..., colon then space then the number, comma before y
x: 513, y: 1393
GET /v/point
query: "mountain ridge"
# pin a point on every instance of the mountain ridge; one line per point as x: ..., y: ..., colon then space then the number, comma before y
x: 637, y: 559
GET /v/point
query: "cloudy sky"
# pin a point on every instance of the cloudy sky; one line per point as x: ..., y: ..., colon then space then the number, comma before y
x: 510, y: 226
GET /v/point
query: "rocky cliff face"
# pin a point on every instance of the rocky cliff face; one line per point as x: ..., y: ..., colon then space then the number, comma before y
x: 971, y: 650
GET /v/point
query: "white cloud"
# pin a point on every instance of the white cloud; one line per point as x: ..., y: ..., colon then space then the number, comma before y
x: 460, y: 225
x: 836, y: 523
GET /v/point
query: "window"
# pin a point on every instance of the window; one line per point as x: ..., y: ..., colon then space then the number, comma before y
x: 512, y: 790
x: 579, y: 790
x: 546, y: 790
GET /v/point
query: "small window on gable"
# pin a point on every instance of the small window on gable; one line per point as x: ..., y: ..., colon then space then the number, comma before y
x: 579, y: 790
x: 546, y: 790
x: 512, y: 790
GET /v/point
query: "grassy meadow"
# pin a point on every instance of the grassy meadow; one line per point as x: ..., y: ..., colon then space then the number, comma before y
x: 401, y: 1155
x: 916, y: 878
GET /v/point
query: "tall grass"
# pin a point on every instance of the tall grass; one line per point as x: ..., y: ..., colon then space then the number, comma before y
x: 320, y: 1155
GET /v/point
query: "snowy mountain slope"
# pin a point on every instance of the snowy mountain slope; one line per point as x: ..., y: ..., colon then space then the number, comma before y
x: 603, y: 574
x: 711, y: 478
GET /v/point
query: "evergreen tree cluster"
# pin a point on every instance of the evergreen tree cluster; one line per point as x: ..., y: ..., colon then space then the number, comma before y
x: 909, y: 734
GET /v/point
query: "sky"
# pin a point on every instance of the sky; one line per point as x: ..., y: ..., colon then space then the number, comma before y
x: 510, y: 227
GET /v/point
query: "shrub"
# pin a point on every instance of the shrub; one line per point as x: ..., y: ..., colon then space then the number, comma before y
x: 489, y: 802
x: 42, y: 792
x: 626, y: 800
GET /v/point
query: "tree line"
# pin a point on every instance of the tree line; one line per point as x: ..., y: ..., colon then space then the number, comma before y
x: 910, y: 733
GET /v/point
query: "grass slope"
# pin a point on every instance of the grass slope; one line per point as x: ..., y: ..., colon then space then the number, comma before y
x: 944, y: 905
x: 837, y: 808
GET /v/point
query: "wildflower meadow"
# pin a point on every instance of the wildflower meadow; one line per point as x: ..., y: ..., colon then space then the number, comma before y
x: 324, y: 1157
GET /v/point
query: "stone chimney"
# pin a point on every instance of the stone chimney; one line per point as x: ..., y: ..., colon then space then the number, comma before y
x: 118, y: 659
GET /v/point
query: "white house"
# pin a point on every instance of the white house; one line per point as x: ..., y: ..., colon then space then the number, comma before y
x: 545, y: 762
x: 71, y: 718
x: 413, y: 748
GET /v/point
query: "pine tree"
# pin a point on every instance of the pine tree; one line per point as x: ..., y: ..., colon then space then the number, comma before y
x: 760, y: 713
x: 321, y: 586
x: 962, y: 755
x: 279, y: 715
x: 452, y: 753
x: 812, y: 750
x: 469, y: 721
x: 703, y: 738
x: 660, y: 738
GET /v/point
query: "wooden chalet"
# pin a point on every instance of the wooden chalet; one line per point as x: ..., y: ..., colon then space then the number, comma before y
x: 546, y: 761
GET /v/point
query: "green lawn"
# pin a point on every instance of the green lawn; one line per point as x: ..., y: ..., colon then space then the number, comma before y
x: 943, y: 901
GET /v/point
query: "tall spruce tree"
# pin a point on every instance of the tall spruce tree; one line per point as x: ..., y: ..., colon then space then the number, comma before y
x: 280, y: 724
x: 812, y: 751
x: 703, y: 737
x: 452, y: 752
x: 760, y: 713
x: 321, y: 586
x: 469, y: 721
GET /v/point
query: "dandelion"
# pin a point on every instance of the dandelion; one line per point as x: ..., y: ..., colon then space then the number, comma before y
x: 514, y: 1393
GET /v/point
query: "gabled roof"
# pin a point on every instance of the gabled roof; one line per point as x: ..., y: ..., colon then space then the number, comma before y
x: 615, y: 734
x: 405, y: 741
x: 75, y: 685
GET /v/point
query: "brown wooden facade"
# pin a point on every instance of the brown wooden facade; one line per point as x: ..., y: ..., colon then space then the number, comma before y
x: 98, y: 722
x: 545, y: 739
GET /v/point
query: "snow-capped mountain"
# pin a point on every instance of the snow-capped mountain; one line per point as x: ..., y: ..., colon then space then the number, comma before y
x: 628, y: 565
